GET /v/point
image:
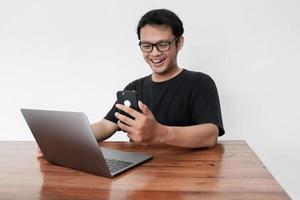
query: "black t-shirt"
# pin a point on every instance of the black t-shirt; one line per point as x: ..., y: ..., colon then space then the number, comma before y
x: 190, y: 98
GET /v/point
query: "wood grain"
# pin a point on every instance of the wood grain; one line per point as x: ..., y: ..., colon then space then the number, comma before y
x: 231, y: 170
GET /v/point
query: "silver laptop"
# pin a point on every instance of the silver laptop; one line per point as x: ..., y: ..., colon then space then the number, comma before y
x: 66, y: 139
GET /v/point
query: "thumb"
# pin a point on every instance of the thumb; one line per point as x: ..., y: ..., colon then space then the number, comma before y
x: 145, y: 110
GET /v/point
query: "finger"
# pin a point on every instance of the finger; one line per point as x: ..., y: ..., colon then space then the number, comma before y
x: 125, y: 127
x: 39, y: 153
x: 144, y: 109
x: 134, y: 138
x: 130, y: 136
x: 124, y: 119
x: 129, y: 110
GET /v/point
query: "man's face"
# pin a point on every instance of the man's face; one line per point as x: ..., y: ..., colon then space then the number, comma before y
x: 160, y: 62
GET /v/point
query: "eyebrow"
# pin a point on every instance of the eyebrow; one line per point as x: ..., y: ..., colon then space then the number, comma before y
x: 147, y: 42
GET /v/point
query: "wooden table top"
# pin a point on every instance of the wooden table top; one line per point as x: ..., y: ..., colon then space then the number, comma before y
x: 231, y: 170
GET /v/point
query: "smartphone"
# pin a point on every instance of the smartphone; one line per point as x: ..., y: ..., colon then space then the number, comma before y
x: 128, y: 98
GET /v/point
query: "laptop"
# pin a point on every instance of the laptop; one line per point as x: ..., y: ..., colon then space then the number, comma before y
x: 67, y: 139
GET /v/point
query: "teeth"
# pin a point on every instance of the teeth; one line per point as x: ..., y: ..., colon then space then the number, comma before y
x: 157, y: 61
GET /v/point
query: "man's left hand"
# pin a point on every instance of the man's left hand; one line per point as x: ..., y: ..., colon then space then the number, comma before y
x: 143, y: 128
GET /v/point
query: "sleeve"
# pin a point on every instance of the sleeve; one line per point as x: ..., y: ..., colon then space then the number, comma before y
x: 110, y: 116
x: 206, y: 105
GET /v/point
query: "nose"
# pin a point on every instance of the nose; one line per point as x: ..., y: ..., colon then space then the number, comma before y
x: 155, y: 51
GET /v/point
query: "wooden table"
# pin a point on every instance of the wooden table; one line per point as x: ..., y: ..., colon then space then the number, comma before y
x: 231, y: 170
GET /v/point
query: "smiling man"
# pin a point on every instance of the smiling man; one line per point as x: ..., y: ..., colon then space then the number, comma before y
x: 178, y: 107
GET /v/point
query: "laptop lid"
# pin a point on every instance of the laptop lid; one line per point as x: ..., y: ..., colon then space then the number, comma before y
x: 66, y: 139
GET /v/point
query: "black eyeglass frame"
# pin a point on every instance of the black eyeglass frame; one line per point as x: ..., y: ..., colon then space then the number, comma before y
x: 157, y: 45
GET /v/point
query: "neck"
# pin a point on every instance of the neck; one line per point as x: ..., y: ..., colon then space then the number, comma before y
x: 174, y: 71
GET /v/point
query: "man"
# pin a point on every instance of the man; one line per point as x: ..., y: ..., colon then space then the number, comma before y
x: 178, y: 107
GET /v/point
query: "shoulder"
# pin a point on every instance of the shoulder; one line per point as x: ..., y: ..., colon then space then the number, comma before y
x: 198, y: 78
x: 137, y: 83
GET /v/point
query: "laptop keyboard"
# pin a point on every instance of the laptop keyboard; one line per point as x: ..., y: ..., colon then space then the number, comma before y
x: 115, y: 165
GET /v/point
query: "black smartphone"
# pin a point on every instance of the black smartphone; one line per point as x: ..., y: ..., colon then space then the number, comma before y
x: 128, y: 98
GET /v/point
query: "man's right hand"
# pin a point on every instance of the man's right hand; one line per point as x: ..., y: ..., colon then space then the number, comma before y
x: 39, y: 153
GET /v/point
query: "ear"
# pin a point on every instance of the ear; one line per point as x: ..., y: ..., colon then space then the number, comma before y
x: 180, y: 43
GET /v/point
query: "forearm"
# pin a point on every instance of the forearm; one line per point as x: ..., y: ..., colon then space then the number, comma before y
x: 103, y: 129
x: 197, y: 136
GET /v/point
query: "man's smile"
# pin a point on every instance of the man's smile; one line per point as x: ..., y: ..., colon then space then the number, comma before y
x: 157, y: 61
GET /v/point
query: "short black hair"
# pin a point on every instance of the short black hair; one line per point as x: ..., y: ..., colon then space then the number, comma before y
x: 161, y: 17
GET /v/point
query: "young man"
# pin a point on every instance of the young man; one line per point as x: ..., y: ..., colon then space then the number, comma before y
x: 178, y: 107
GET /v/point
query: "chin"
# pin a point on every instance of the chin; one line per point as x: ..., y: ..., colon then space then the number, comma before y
x: 159, y: 70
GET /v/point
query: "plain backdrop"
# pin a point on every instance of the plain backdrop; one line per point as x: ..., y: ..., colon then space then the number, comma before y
x: 74, y: 55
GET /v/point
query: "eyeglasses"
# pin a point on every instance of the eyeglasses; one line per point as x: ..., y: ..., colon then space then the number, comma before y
x: 160, y: 46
